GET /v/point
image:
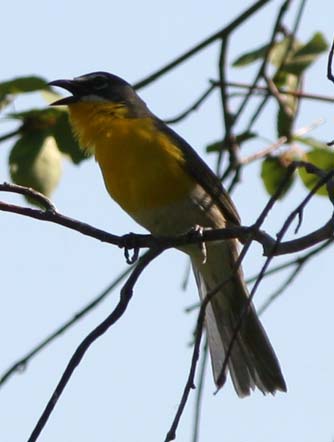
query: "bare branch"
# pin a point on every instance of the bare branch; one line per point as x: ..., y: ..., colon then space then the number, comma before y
x: 330, y: 75
x: 288, y: 264
x: 298, y: 264
x: 201, y: 315
x: 115, y: 315
x: 10, y: 134
x: 157, y: 245
x: 199, y: 395
x: 216, y: 36
x: 295, y: 272
x: 265, y: 90
x: 262, y: 72
x: 29, y: 192
x: 274, y: 92
x: 171, y: 434
x: 24, y: 360
x: 193, y: 107
x: 264, y: 152
x: 262, y: 68
x: 264, y: 268
x: 137, y: 241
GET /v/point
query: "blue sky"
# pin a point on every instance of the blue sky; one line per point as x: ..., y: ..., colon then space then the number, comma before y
x: 130, y: 382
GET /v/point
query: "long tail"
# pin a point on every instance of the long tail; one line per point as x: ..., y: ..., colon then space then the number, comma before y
x: 252, y: 362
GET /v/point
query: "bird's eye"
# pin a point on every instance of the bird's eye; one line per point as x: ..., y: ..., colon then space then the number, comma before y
x: 99, y: 82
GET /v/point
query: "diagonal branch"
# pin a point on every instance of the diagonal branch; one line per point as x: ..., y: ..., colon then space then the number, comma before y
x: 193, y: 107
x: 115, y: 315
x: 23, y: 361
x: 270, y: 257
x: 262, y: 68
x: 201, y: 317
x: 216, y: 36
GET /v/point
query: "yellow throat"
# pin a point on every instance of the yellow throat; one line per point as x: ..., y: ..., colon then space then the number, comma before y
x: 141, y: 166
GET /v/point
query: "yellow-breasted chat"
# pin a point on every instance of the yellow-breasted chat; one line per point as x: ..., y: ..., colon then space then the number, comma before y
x: 161, y: 182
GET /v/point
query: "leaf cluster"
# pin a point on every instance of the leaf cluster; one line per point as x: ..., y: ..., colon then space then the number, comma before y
x: 287, y: 59
x: 41, y: 141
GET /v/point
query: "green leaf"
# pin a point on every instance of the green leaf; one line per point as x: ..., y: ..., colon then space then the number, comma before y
x: 322, y: 158
x: 21, y: 85
x: 289, y: 78
x: 250, y: 57
x: 66, y: 141
x: 245, y: 136
x: 28, y: 146
x: 285, y: 120
x: 306, y: 55
x: 35, y: 161
x: 280, y: 79
x: 53, y: 122
x: 315, y: 46
x: 278, y: 53
x: 275, y: 56
x: 241, y: 138
x: 311, y: 142
x: 295, y: 61
x: 273, y: 171
x: 217, y: 146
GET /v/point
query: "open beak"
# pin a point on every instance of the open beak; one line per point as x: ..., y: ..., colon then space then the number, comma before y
x: 75, y: 87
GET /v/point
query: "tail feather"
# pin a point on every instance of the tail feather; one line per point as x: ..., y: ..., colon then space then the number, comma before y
x: 252, y: 362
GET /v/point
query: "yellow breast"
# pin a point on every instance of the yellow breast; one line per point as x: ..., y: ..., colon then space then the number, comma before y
x: 141, y: 166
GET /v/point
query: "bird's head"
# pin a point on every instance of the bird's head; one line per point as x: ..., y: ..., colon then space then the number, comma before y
x: 101, y: 87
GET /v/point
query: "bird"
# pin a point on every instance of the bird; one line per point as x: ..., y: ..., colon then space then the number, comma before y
x: 165, y: 186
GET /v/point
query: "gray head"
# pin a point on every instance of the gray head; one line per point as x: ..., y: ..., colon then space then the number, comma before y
x: 101, y: 86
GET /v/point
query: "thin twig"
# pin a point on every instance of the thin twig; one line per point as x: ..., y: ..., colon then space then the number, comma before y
x: 274, y: 146
x: 116, y: 314
x: 264, y: 152
x: 199, y: 392
x: 171, y: 434
x: 10, y: 135
x: 300, y: 260
x: 330, y: 75
x: 216, y: 36
x: 263, y: 89
x: 274, y: 92
x: 191, y: 108
x: 228, y: 118
x: 293, y: 262
x: 186, y: 276
x: 263, y: 270
x: 201, y: 315
x: 137, y: 241
x: 271, y: 298
x: 29, y: 192
x: 291, y: 39
x: 282, y: 11
x: 200, y: 322
x: 298, y: 264
x: 23, y: 361
x: 260, y: 220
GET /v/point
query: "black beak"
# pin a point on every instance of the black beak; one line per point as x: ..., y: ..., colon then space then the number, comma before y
x: 76, y: 88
